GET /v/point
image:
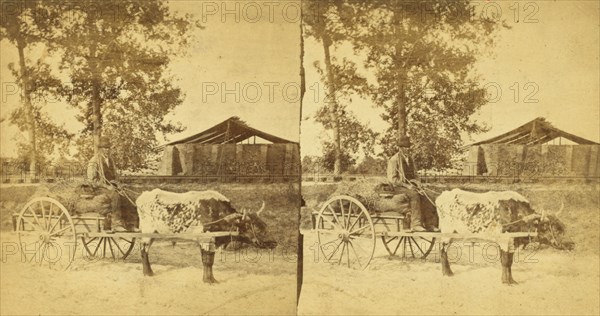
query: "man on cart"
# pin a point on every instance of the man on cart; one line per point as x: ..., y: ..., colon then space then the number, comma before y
x: 402, y: 175
x: 102, y: 176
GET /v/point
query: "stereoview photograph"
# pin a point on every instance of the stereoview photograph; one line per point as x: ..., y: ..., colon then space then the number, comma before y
x: 150, y: 157
x: 450, y: 157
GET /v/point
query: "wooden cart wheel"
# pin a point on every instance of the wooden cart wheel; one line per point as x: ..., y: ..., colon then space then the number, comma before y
x: 46, y: 234
x: 345, y: 232
x: 116, y: 248
x: 416, y: 247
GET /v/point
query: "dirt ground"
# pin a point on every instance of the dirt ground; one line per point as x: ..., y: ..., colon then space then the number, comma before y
x: 550, y: 281
x: 558, y: 283
x: 251, y: 281
x: 103, y: 287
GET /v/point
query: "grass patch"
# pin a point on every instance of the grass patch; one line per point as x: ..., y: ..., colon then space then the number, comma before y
x: 12, y: 200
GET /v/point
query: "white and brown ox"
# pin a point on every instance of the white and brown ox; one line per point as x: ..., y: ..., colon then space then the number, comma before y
x: 492, y: 214
x: 167, y: 212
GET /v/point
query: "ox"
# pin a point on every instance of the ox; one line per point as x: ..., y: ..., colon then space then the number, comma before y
x: 166, y: 212
x: 494, y: 213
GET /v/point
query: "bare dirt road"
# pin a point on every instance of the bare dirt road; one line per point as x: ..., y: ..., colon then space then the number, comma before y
x: 251, y: 281
x: 551, y: 282
x: 103, y: 287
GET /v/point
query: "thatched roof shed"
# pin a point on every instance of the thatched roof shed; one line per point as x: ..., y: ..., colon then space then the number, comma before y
x: 531, y: 150
x: 232, y: 149
x: 536, y: 132
x: 231, y: 131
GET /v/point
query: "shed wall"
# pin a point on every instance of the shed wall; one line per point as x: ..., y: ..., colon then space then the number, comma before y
x: 536, y: 160
x: 230, y: 160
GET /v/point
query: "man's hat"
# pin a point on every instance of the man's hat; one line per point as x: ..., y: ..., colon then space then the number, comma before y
x: 104, y: 142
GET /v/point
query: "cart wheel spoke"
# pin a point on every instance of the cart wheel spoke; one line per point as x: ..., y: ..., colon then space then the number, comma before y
x: 111, y: 248
x: 118, y: 248
x: 398, y: 245
x: 355, y: 232
x: 427, y: 240
x: 360, y: 250
x: 57, y: 222
x: 417, y: 245
x: 60, y: 231
x: 51, y: 211
x: 409, y: 243
x: 87, y: 243
x: 391, y: 239
x: 360, y: 215
x: 331, y: 223
x: 104, y: 247
x: 130, y: 246
x: 43, y: 252
x: 51, y: 227
x: 43, y: 210
x: 334, y: 250
x: 350, y: 212
x: 412, y: 253
x: 334, y: 216
x: 387, y: 241
x: 356, y: 255
x: 97, y: 247
x: 342, y: 253
x: 35, y: 218
x: 37, y: 251
x: 343, y: 214
x: 428, y: 245
x: 49, y: 215
x: 353, y: 227
x: 36, y: 227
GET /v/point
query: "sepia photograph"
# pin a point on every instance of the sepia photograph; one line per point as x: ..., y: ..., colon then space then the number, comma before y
x: 150, y: 157
x: 299, y: 157
x: 450, y: 158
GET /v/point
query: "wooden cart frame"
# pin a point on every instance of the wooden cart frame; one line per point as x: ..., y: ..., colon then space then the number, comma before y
x: 50, y: 235
x: 347, y: 234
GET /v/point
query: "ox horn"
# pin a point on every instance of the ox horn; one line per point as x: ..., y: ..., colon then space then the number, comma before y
x: 262, y: 208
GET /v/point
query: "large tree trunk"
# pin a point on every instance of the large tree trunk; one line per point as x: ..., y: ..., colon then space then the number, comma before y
x: 403, y: 140
x: 402, y: 120
x: 96, y: 101
x: 29, y: 115
x: 332, y: 108
x: 96, y: 114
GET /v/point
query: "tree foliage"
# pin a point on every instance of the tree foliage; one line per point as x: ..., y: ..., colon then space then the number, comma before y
x: 51, y: 137
x: 370, y: 165
x: 357, y: 139
x: 342, y: 81
x: 24, y: 25
x: 117, y: 68
x: 422, y: 56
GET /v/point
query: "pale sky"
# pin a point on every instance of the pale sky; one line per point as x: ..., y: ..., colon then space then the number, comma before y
x: 259, y: 52
x: 559, y: 54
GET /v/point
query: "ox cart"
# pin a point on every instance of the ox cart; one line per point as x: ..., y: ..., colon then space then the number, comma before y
x: 347, y: 233
x: 49, y: 235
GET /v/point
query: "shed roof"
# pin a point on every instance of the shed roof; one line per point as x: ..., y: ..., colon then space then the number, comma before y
x: 535, y: 132
x: 231, y: 131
